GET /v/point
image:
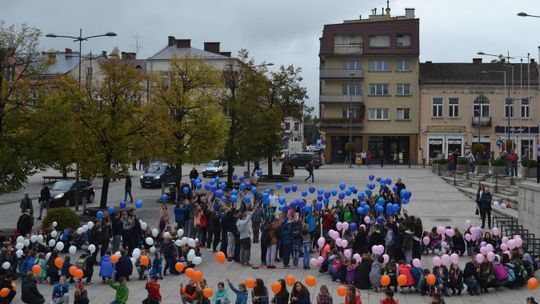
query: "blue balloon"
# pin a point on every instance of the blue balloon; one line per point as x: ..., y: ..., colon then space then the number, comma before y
x: 319, y: 198
x: 378, y: 178
x: 294, y: 204
x: 380, y: 201
x: 219, y: 193
x: 123, y: 204
x: 342, y: 186
x: 326, y: 201
x: 395, y: 188
x: 266, y: 195
x: 207, y: 187
x: 164, y: 197
x: 405, y: 201
x: 247, y: 199
x: 318, y: 206
x: 354, y: 190
x: 279, y: 186
x: 348, y: 192
x: 212, y: 182
x: 294, y: 188
x: 388, y: 181
x: 327, y: 194
x: 301, y: 204
x: 408, y: 194
x: 360, y: 210
x: 217, y: 179
x: 320, y: 191
x: 304, y: 193
x: 371, y: 177
x: 241, y: 178
x: 197, y: 180
x: 361, y: 196
x: 198, y: 186
x: 186, y: 190
x: 367, y: 209
x: 234, y: 192
x: 368, y: 192
x: 287, y: 189
x: 242, y: 186
x: 213, y: 188
x: 306, y: 209
x: 311, y: 189
x: 223, y: 186
x: 248, y: 184
x: 282, y: 200
x: 254, y: 190
x: 341, y: 195
x: 259, y: 173
x: 334, y: 192
x: 234, y: 198
x: 235, y: 177
x: 396, y: 207
x: 379, y: 208
x: 99, y: 215
x: 352, y: 227
x: 139, y: 203
x: 371, y: 186
x: 111, y: 210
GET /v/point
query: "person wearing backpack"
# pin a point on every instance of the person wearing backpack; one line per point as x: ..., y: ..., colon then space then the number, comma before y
x: 501, y: 273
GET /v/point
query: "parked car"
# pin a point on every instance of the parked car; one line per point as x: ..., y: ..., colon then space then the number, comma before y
x: 215, y: 168
x: 157, y: 174
x: 63, y: 193
x: 301, y: 159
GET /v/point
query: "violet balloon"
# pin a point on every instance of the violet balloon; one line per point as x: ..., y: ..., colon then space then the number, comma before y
x: 436, y: 261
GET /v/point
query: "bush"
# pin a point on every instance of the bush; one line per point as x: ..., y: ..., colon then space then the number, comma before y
x: 482, y: 162
x: 440, y: 161
x: 529, y: 163
x: 497, y: 163
x: 462, y: 161
x: 478, y: 149
x: 64, y: 217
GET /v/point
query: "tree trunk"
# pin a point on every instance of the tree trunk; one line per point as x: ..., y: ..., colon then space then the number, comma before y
x: 64, y: 171
x: 230, y: 171
x: 104, y: 193
x: 178, y: 177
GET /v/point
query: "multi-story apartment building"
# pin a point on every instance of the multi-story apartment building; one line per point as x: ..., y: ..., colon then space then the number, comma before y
x: 293, y: 132
x: 369, y: 86
x: 466, y: 104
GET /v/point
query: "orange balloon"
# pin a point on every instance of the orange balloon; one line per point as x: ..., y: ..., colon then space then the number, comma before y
x: 532, y: 283
x: 144, y: 260
x: 58, y: 262
x: 197, y: 276
x: 114, y: 259
x: 79, y: 274
x: 342, y: 291
x: 36, y: 269
x: 208, y: 292
x: 402, y: 280
x: 179, y: 267
x: 189, y: 273
x: 311, y: 281
x: 290, y: 279
x: 430, y: 279
x: 250, y: 283
x: 220, y: 257
x: 72, y: 270
x: 385, y: 280
x: 276, y: 287
x: 4, y: 292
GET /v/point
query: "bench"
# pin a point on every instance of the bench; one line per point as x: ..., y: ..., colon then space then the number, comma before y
x: 52, y: 179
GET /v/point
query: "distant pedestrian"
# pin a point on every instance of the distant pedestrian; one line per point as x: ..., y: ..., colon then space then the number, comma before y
x: 256, y: 167
x: 44, y: 199
x: 128, y: 189
x: 25, y: 223
x: 26, y: 203
x: 193, y: 175
x: 309, y: 168
x: 485, y: 207
x: 381, y: 158
x: 471, y: 161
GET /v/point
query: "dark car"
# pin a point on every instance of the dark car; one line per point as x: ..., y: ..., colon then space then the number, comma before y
x: 64, y: 192
x: 157, y: 174
x: 301, y: 159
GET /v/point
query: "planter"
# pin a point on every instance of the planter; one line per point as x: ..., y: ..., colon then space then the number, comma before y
x: 528, y: 172
x: 482, y: 169
x: 500, y: 170
x: 462, y: 167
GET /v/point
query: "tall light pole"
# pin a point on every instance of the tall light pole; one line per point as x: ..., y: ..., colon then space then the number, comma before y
x: 507, y: 103
x: 350, y: 118
x: 79, y: 39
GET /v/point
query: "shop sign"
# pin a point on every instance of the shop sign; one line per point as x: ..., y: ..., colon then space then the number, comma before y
x: 446, y: 129
x: 503, y: 129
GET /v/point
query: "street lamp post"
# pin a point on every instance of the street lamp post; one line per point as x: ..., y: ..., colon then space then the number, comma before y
x: 350, y: 118
x: 507, y: 102
x: 79, y: 39
x: 523, y: 14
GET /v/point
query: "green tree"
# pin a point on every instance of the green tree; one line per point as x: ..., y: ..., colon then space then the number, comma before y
x: 18, y: 66
x: 190, y: 126
x: 311, y: 131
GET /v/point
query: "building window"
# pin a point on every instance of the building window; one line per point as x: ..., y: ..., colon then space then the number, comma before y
x: 453, y: 107
x: 378, y: 89
x: 379, y: 41
x: 354, y: 112
x: 403, y: 41
x: 403, y: 89
x: 525, y: 108
x: 287, y: 126
x: 379, y: 66
x: 403, y: 114
x: 437, y: 107
x: 351, y: 89
x: 352, y: 65
x: 403, y: 66
x: 347, y: 44
x: 378, y: 114
x: 481, y: 106
x: 509, y: 108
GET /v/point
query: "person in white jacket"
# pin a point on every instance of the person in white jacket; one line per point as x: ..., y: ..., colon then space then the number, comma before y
x: 242, y: 224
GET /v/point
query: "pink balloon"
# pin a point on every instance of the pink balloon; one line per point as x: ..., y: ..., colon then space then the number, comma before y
x: 381, y: 249
x: 417, y: 263
x: 480, y: 258
x: 344, y: 243
x: 345, y: 226
x: 339, y: 226
x: 436, y: 261
x: 338, y: 242
x: 450, y: 232
x: 483, y: 250
x: 444, y: 244
x: 511, y: 244
x: 321, y: 242
x: 347, y: 253
x: 367, y: 219
x: 489, y: 248
x: 504, y: 239
x: 454, y: 258
x: 320, y: 260
x: 517, y: 236
x: 374, y: 249
x: 445, y: 259
x: 468, y: 223
x: 386, y: 258
x: 504, y: 247
x: 495, y: 231
x: 518, y: 242
x: 426, y: 240
x: 468, y: 237
x: 357, y: 258
x: 490, y: 256
x: 313, y: 262
x: 441, y: 230
x: 482, y: 244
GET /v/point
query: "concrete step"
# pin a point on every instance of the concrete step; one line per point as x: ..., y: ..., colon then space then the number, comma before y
x: 514, y: 200
x: 507, y: 193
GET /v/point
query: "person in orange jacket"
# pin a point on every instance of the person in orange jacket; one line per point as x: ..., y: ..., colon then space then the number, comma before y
x: 154, y: 296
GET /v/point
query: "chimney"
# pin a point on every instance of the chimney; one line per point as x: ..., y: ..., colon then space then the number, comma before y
x: 171, y: 40
x: 212, y: 47
x: 409, y: 13
x: 477, y: 60
x: 128, y: 56
x: 183, y: 43
x: 532, y: 60
x: 68, y: 52
x: 226, y: 54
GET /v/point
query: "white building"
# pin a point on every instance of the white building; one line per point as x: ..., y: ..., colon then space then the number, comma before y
x: 293, y: 133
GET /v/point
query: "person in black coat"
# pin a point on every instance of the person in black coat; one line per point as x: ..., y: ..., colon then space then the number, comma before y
x: 5, y: 282
x: 361, y: 279
x: 30, y: 293
x: 128, y: 189
x: 123, y: 267
x: 25, y: 223
x: 485, y: 207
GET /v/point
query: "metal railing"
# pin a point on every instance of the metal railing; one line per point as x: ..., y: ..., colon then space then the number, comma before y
x: 341, y: 73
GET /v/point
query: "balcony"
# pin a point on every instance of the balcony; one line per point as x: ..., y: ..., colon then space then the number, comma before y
x: 481, y: 121
x: 341, y: 98
x: 340, y: 74
x: 340, y: 123
x: 347, y: 49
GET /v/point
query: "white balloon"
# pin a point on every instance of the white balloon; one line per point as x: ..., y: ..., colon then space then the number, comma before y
x: 137, y: 250
x: 180, y: 233
x: 153, y: 249
x: 72, y: 249
x: 197, y: 260
x: 191, y: 243
x: 133, y: 261
x: 85, y: 228
x: 90, y: 225
x: 52, y: 243
x: 150, y: 241
x: 136, y: 254
x: 92, y: 248
x: 20, y: 239
x: 155, y: 232
x: 118, y: 254
x: 59, y: 246
x: 80, y: 230
x: 178, y: 243
x: 33, y: 238
x: 26, y: 242
x: 19, y: 253
x: 47, y: 256
x: 54, y: 233
x: 54, y: 224
x: 143, y: 225
x: 40, y: 238
x: 166, y: 235
x: 19, y: 246
x: 6, y: 265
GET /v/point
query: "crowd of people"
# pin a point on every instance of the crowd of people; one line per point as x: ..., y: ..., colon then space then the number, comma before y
x: 363, y: 238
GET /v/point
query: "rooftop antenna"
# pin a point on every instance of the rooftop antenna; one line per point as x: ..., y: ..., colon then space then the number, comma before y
x: 388, y: 7
x: 138, y: 45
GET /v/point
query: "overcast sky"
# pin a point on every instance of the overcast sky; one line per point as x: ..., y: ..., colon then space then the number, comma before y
x: 283, y: 32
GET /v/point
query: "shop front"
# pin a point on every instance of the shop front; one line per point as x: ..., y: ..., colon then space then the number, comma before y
x: 393, y: 149
x: 338, y: 153
x: 443, y: 140
x: 523, y: 138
